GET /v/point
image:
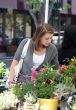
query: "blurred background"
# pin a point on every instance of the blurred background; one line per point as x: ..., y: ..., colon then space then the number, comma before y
x: 19, y: 19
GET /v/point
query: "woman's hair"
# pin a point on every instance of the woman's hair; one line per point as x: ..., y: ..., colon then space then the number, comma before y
x: 69, y: 40
x: 41, y: 30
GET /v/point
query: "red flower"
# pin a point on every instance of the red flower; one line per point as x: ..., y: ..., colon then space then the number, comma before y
x: 63, y: 67
x: 48, y: 81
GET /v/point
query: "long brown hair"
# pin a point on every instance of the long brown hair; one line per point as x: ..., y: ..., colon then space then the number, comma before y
x: 41, y: 30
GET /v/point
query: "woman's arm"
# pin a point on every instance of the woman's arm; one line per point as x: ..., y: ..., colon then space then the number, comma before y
x: 16, y: 59
x: 55, y: 58
x: 55, y: 61
x: 13, y: 64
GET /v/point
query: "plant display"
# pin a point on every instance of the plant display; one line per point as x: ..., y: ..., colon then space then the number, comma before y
x: 72, y: 61
x: 69, y: 74
x: 62, y: 90
x: 68, y: 81
x: 7, y: 100
x: 42, y: 84
x: 48, y: 83
x: 30, y: 97
x: 73, y: 105
x: 3, y: 70
x: 44, y: 81
x: 68, y: 69
x: 71, y: 102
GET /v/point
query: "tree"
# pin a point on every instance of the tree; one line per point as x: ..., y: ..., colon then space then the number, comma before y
x: 34, y: 5
x: 39, y: 5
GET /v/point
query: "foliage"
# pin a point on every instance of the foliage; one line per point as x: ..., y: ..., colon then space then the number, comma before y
x: 18, y: 90
x: 30, y: 97
x: 73, y: 61
x: 68, y: 6
x: 68, y: 69
x: 35, y: 5
x: 47, y: 83
x: 69, y: 72
x: 68, y: 81
x: 74, y: 105
x: 42, y: 84
x: 64, y: 90
x: 72, y: 102
x: 3, y: 69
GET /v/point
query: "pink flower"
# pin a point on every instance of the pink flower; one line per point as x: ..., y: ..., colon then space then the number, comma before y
x: 42, y: 70
x: 33, y: 79
x: 33, y: 73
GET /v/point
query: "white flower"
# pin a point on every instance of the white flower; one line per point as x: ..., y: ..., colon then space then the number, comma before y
x: 7, y: 100
x: 30, y: 97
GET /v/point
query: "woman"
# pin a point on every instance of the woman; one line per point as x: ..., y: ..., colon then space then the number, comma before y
x: 40, y: 51
x: 68, y: 49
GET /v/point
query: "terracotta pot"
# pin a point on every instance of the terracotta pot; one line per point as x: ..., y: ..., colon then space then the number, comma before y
x: 48, y: 104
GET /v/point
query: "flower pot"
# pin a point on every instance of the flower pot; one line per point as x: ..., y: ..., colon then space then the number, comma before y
x: 48, y: 104
x: 28, y: 106
x: 11, y: 108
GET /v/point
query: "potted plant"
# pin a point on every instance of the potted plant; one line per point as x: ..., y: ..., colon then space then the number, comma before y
x: 69, y: 74
x: 31, y: 101
x: 42, y: 84
x: 26, y: 94
x: 71, y: 102
x: 48, y: 85
x: 3, y: 70
x: 68, y: 85
x: 45, y: 86
x: 3, y: 76
x: 73, y: 105
x: 72, y: 61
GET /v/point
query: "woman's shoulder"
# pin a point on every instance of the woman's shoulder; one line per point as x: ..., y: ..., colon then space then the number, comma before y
x: 52, y: 46
x: 23, y: 42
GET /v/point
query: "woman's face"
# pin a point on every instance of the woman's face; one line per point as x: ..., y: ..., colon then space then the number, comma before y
x: 46, y: 39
